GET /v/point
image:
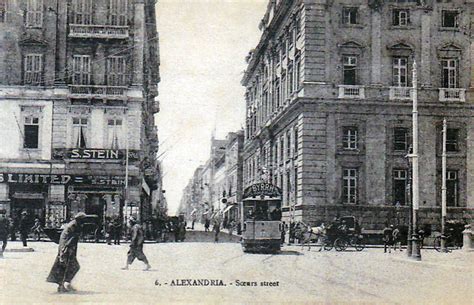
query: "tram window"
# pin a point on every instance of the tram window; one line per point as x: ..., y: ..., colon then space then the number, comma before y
x: 261, y: 212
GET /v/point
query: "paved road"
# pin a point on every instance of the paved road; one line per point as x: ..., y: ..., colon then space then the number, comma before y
x: 367, y: 277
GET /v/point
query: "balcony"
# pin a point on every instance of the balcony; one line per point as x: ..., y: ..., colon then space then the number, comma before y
x: 400, y: 93
x: 351, y: 91
x: 98, y: 31
x: 97, y: 92
x: 452, y: 95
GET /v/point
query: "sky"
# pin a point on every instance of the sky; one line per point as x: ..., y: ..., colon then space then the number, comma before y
x: 203, y: 45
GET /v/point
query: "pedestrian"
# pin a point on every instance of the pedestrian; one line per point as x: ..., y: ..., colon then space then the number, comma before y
x: 24, y: 228
x: 388, y: 238
x: 12, y: 228
x: 207, y: 223
x: 108, y: 231
x: 283, y: 233
x: 136, y: 244
x: 37, y: 229
x: 117, y: 230
x: 193, y: 218
x: 216, y: 227
x: 4, y: 227
x: 66, y: 266
x: 397, y: 241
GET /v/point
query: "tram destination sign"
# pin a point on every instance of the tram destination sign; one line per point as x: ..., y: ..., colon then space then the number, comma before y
x: 95, y: 154
x: 262, y: 189
x: 60, y: 179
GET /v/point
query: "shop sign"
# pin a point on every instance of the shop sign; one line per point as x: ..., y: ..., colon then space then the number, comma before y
x: 16, y: 178
x: 262, y: 189
x: 95, y: 154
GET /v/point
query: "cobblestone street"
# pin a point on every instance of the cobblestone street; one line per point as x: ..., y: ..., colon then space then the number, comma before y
x: 368, y: 277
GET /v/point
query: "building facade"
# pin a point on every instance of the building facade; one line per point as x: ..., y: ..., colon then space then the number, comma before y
x: 77, y: 95
x: 216, y: 186
x: 329, y: 107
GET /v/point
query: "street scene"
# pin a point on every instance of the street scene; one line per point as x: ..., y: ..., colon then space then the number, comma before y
x: 236, y: 152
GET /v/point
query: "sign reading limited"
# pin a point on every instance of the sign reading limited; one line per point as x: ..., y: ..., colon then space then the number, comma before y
x: 61, y: 179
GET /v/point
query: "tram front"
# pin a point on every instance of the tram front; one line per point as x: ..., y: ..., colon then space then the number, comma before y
x: 261, y: 218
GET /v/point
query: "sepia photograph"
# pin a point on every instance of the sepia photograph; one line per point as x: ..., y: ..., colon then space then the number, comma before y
x: 237, y: 152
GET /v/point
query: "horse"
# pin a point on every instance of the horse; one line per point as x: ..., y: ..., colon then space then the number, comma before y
x: 306, y: 234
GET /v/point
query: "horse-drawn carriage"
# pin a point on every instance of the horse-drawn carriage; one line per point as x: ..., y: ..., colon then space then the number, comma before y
x: 340, y: 234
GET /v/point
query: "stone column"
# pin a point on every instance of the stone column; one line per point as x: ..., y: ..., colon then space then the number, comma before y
x: 376, y: 37
x: 425, y: 64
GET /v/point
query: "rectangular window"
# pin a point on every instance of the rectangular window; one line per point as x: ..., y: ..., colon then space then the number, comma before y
x: 277, y: 93
x: 282, y: 149
x: 450, y: 19
x: 297, y: 72
x: 400, y: 139
x: 349, y: 185
x: 79, y: 132
x: 450, y: 73
x: 33, y: 69
x: 283, y: 87
x: 452, y: 188
x: 349, y: 15
x: 118, y: 12
x: 114, y: 133
x: 349, y: 138
x: 82, y: 11
x: 31, y: 132
x: 116, y: 71
x: 288, y: 188
x: 452, y: 140
x: 291, y: 88
x: 399, y: 186
x: 349, y: 69
x: 296, y: 142
x: 281, y: 182
x: 400, y: 71
x: 400, y: 17
x: 81, y: 70
x: 34, y: 13
x: 288, y: 145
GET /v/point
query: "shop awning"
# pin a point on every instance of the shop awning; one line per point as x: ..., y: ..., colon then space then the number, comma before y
x: 35, y: 196
x: 228, y: 208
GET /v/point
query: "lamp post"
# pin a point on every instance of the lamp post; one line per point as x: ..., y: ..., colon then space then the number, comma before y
x: 416, y: 254
x: 443, y: 189
x: 409, y: 201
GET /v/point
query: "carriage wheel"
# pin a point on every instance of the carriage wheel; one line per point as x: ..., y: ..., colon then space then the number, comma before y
x: 340, y: 244
x: 328, y: 244
x: 358, y: 243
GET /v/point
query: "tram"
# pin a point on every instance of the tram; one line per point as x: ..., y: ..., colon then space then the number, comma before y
x: 261, y: 218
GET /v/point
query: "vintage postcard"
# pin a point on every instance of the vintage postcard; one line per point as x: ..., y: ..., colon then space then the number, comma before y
x: 236, y: 152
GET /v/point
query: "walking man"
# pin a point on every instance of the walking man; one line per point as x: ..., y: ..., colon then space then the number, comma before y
x: 136, y: 245
x: 24, y: 228
x: 216, y: 227
x: 66, y: 265
x: 37, y: 229
x: 397, y: 241
x: 388, y: 238
x: 117, y: 230
x: 4, y: 226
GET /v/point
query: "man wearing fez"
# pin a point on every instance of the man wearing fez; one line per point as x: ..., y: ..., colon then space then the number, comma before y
x: 66, y: 265
x: 136, y: 244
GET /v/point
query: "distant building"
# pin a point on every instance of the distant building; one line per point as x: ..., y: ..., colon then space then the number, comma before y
x: 216, y: 186
x: 329, y: 107
x: 77, y: 93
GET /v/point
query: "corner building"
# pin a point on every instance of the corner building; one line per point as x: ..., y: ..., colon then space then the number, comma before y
x: 77, y: 98
x: 329, y: 107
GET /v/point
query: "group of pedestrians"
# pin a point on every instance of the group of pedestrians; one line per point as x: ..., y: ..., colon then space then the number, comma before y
x: 113, y: 228
x: 391, y: 238
x: 66, y: 266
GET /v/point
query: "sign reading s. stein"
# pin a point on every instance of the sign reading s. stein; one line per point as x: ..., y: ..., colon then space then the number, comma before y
x: 95, y: 154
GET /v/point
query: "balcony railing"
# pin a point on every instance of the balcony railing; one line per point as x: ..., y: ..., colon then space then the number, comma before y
x: 452, y: 95
x: 351, y: 91
x: 400, y: 93
x: 98, y: 31
x: 98, y: 92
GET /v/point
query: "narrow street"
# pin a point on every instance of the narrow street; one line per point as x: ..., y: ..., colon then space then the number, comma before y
x: 368, y: 277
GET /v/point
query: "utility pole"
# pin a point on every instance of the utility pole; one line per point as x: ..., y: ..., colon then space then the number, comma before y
x: 416, y: 254
x: 443, y: 188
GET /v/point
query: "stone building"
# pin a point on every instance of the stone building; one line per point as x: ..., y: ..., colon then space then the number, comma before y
x: 216, y: 185
x: 329, y: 106
x: 77, y: 99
